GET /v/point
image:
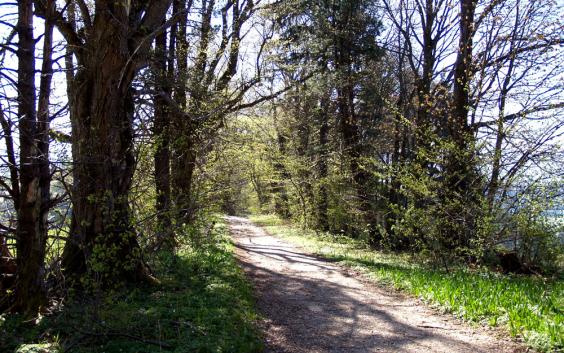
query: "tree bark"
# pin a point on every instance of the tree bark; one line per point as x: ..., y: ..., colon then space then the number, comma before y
x: 183, y: 144
x: 459, y: 127
x: 302, y: 111
x: 102, y: 142
x: 34, y: 177
x: 103, y: 242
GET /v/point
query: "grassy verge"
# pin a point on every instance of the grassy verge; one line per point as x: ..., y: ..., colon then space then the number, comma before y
x: 203, y: 304
x: 528, y: 307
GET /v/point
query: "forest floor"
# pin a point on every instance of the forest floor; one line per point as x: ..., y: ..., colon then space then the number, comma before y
x: 309, y: 304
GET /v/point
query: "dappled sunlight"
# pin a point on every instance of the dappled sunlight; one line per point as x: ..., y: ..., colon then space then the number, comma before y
x: 313, y: 305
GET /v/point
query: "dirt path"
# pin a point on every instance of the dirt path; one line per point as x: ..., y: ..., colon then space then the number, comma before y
x: 312, y: 305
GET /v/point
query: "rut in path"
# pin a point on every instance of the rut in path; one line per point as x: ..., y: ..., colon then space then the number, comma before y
x: 313, y: 305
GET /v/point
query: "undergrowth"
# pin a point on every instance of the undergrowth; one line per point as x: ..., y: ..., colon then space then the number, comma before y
x: 203, y: 304
x: 528, y: 307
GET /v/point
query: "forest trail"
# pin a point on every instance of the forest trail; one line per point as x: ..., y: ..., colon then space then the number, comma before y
x: 312, y: 305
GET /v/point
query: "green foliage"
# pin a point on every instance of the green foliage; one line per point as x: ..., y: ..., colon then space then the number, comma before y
x: 540, y: 244
x: 308, y: 28
x: 425, y: 214
x: 530, y: 307
x: 239, y: 175
x: 270, y: 163
x: 535, y: 237
x: 203, y: 304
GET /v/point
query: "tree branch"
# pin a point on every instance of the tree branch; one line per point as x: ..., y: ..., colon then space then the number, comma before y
x: 520, y: 114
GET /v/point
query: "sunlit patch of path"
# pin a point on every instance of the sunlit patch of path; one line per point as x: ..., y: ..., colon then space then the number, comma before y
x: 313, y: 305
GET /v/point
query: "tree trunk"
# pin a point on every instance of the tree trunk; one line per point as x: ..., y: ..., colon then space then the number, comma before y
x: 34, y: 163
x: 183, y: 145
x: 353, y: 149
x: 281, y: 202
x: 349, y: 121
x: 69, y: 57
x: 161, y: 134
x: 302, y: 112
x: 198, y: 94
x: 459, y: 128
x: 460, y: 196
x: 323, y: 173
x: 103, y: 242
x: 183, y: 167
x: 494, y: 181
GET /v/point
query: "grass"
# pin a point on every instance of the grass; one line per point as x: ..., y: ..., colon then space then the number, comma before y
x: 203, y: 304
x: 528, y: 307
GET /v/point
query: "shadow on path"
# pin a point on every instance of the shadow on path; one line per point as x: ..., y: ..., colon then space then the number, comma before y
x: 312, y: 305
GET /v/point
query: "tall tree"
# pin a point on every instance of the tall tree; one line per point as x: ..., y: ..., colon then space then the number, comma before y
x: 32, y: 197
x: 339, y: 39
x: 207, y: 89
x: 109, y: 49
x: 161, y: 132
x: 323, y: 115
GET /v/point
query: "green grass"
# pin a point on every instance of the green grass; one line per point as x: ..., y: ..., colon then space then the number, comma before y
x: 528, y: 307
x: 203, y: 304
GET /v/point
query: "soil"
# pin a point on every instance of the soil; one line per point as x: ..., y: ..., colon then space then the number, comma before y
x: 310, y: 304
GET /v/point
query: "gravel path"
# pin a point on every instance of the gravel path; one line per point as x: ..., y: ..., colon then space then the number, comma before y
x: 313, y: 305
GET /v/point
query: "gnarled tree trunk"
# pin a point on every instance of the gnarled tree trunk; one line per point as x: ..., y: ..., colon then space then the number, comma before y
x: 103, y: 240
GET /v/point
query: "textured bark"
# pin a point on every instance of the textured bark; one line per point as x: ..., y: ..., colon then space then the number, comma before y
x: 102, y: 152
x: 183, y: 145
x: 353, y: 149
x: 103, y: 240
x: 399, y: 155
x: 350, y: 131
x: 34, y: 177
x: 183, y: 167
x: 43, y: 120
x: 424, y: 120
